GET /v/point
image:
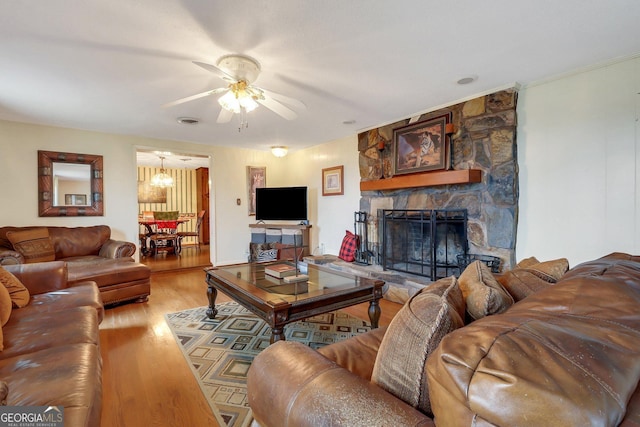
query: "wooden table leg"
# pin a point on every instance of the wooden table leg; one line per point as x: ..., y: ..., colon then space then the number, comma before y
x: 277, y: 334
x: 212, y: 293
x: 374, y: 313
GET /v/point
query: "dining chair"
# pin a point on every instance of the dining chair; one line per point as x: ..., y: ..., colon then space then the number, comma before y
x: 166, y: 237
x: 195, y: 233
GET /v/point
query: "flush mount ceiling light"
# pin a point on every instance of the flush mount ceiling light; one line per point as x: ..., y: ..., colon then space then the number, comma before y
x: 279, y: 150
x: 162, y: 179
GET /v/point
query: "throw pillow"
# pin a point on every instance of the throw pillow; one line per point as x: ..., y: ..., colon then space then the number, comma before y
x: 521, y: 282
x: 267, y: 255
x: 482, y: 292
x: 348, y: 247
x: 255, y: 248
x: 527, y: 262
x: 550, y: 271
x: 412, y: 335
x: 18, y: 293
x: 5, y: 312
x: 4, y: 393
x: 531, y: 277
x: 33, y: 244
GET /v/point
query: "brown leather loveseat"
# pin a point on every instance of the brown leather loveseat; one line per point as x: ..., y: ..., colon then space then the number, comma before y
x: 90, y: 253
x: 50, y: 346
x: 568, y: 354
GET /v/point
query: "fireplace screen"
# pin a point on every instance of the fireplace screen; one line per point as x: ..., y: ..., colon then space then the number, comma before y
x: 423, y: 242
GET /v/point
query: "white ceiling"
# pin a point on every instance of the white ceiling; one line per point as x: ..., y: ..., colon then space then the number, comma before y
x: 110, y: 66
x: 171, y: 160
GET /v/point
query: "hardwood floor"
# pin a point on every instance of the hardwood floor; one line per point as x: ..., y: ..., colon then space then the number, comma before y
x: 146, y: 380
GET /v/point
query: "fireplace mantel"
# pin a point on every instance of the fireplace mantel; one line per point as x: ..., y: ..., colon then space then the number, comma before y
x: 426, y: 179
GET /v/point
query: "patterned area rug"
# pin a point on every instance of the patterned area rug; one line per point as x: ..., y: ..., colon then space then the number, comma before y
x: 220, y: 351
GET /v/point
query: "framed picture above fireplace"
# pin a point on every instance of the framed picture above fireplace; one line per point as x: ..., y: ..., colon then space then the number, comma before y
x: 420, y: 146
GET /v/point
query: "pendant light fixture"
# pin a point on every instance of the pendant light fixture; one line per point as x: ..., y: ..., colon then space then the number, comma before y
x: 162, y: 179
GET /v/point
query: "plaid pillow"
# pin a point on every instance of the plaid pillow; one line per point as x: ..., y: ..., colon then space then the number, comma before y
x: 348, y: 248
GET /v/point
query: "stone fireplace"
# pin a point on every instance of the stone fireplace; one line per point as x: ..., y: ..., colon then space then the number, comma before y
x: 482, y: 180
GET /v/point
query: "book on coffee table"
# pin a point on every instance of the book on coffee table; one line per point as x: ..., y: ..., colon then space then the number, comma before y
x: 280, y: 270
x: 295, y: 278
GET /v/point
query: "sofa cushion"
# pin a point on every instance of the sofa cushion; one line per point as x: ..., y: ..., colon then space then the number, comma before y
x: 34, y: 244
x: 29, y: 334
x: 79, y: 295
x: 17, y: 291
x: 68, y: 376
x: 5, y: 306
x: 482, y: 292
x: 79, y: 241
x: 412, y: 335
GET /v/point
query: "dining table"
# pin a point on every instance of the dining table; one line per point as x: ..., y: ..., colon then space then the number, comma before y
x: 152, y: 227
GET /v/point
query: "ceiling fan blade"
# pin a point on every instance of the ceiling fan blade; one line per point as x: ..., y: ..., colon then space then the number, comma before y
x: 282, y: 98
x: 278, y: 108
x: 215, y: 70
x: 224, y: 116
x: 193, y: 97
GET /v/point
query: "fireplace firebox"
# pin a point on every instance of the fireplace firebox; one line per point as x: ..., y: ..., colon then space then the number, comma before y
x: 423, y: 242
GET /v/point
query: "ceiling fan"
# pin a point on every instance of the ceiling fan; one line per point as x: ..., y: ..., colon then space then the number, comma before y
x: 240, y: 96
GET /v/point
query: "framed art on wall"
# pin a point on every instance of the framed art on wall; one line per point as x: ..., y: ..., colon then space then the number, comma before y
x: 149, y: 194
x: 420, y: 146
x: 256, y: 178
x: 333, y: 181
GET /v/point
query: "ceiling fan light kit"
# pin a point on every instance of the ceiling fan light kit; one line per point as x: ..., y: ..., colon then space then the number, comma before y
x: 240, y: 96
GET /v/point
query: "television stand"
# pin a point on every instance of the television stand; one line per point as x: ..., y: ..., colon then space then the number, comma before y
x: 304, y: 228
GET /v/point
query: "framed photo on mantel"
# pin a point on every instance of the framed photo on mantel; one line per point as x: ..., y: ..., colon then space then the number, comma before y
x: 420, y: 146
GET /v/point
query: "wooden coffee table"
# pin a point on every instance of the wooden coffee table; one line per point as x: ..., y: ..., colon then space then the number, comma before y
x: 279, y: 303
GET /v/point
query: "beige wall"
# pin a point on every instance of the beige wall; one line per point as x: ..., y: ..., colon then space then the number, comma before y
x: 579, y: 156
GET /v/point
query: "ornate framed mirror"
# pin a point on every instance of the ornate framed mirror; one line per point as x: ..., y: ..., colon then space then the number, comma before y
x: 69, y: 184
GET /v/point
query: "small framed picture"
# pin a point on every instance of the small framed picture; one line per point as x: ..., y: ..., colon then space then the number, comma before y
x: 420, y: 146
x: 256, y: 178
x: 333, y: 181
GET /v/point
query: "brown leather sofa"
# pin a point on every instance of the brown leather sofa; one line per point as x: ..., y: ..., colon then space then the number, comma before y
x: 567, y: 355
x: 51, y: 352
x: 92, y: 255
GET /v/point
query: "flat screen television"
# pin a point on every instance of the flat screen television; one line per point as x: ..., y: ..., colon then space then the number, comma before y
x: 281, y: 204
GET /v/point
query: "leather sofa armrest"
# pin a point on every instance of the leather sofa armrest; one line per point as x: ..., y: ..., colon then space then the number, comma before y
x: 117, y: 249
x: 291, y: 384
x: 41, y: 277
x: 9, y: 257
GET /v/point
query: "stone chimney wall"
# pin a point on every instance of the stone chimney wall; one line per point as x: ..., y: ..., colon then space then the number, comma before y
x: 485, y: 139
